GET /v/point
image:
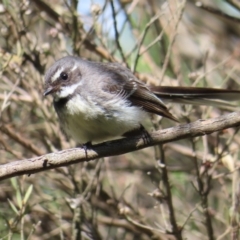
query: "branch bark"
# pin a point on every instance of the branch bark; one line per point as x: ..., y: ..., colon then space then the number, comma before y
x: 117, y: 147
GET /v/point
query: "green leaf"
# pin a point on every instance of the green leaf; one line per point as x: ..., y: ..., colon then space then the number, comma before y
x: 12, y: 206
x: 14, y: 183
x: 28, y: 193
x: 19, y: 198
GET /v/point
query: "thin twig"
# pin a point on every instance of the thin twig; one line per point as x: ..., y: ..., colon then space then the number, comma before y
x: 176, y: 230
x: 167, y: 57
x: 148, y: 25
x: 116, y: 32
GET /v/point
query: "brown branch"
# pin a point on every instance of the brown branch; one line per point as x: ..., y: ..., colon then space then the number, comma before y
x: 76, y: 155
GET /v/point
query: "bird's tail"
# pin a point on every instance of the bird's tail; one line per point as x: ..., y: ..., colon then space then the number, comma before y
x: 197, y: 96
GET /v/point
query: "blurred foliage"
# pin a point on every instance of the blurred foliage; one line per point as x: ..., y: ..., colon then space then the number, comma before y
x: 131, y: 196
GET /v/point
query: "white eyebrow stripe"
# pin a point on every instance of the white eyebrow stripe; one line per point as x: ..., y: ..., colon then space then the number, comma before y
x: 56, y: 74
x: 73, y: 68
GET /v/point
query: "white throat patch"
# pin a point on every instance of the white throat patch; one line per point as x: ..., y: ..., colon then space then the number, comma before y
x: 68, y: 90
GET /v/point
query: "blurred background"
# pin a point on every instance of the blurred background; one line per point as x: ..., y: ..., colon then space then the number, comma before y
x: 133, y: 196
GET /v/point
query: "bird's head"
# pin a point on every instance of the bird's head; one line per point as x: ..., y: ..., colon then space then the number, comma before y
x: 63, y: 78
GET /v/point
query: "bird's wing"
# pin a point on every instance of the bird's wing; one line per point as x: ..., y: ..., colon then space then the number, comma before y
x: 124, y: 83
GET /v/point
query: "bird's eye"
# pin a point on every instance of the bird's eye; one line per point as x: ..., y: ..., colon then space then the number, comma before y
x: 64, y: 76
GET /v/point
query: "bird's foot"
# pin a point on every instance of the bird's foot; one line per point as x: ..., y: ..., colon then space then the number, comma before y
x: 86, y: 146
x: 141, y: 131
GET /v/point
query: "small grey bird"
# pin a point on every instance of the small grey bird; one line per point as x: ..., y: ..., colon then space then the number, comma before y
x: 99, y: 101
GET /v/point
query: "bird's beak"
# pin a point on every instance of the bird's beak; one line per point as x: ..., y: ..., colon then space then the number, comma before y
x: 48, y: 91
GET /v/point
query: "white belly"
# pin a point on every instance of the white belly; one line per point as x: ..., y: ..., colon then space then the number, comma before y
x: 86, y: 121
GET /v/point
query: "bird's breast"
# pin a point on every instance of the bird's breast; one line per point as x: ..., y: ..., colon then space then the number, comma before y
x: 88, y: 120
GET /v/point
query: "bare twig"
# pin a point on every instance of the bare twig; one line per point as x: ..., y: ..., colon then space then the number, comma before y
x: 175, y: 229
x: 21, y: 140
x: 203, y: 188
x: 116, y: 32
x: 142, y: 38
x: 172, y: 40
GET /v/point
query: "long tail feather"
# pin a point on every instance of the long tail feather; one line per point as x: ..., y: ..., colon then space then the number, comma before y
x: 196, y: 96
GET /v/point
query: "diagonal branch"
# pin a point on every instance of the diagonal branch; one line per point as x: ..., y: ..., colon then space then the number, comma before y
x: 76, y: 155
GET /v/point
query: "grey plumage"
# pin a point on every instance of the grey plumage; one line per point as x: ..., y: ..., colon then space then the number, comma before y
x: 98, y: 101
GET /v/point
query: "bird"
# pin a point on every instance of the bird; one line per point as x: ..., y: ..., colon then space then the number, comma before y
x: 98, y: 101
